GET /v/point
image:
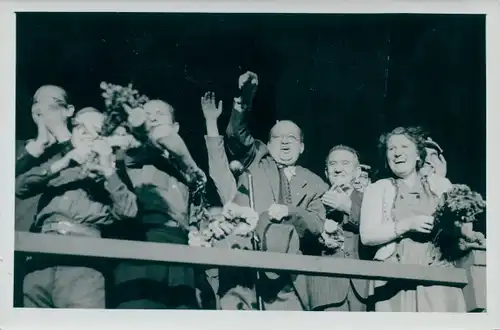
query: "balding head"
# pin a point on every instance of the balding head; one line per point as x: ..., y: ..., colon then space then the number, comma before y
x: 286, y: 142
x: 50, y: 100
x: 51, y: 92
x: 160, y: 118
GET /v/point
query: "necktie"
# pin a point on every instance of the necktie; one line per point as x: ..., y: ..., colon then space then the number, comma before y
x: 285, y: 196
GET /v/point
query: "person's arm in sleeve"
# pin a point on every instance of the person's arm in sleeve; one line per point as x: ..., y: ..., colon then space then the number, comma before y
x: 351, y: 220
x: 372, y: 228
x: 37, y: 178
x: 218, y: 164
x: 33, y: 155
x: 240, y: 142
x: 218, y: 168
x: 312, y: 218
x: 124, y: 201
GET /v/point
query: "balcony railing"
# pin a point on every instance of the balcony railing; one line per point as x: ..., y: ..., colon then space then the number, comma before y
x: 470, y: 275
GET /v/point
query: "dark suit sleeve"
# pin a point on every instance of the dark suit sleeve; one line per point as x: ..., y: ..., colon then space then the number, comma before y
x: 351, y: 221
x: 240, y: 143
x: 310, y: 220
x: 25, y: 161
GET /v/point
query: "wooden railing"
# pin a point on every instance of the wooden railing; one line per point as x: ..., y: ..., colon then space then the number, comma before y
x: 470, y: 275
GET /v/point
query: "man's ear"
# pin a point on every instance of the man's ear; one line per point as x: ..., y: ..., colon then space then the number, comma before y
x: 176, y: 127
x: 301, y: 148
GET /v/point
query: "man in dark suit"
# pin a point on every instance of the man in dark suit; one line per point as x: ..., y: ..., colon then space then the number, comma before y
x: 343, y: 204
x: 287, y: 197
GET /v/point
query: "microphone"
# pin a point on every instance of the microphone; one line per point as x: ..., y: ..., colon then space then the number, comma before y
x: 237, y: 168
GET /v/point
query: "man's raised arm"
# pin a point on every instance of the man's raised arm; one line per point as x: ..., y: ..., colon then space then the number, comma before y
x: 240, y: 142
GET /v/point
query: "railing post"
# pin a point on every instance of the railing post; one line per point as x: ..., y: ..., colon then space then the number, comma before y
x: 475, y: 290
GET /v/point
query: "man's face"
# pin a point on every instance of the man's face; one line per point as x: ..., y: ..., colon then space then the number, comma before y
x: 342, y: 167
x: 159, y: 121
x: 285, y: 143
x: 86, y: 128
x: 49, y: 104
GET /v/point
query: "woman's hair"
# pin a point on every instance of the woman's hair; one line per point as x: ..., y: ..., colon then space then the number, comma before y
x: 415, y: 134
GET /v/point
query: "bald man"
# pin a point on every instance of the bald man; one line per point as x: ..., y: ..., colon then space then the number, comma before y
x: 164, y: 214
x: 287, y: 197
x: 50, y: 112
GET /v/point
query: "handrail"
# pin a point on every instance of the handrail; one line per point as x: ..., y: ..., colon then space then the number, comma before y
x: 30, y: 243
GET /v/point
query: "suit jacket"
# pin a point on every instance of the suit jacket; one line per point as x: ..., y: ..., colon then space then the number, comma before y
x: 307, y: 210
x: 306, y: 214
x: 324, y: 291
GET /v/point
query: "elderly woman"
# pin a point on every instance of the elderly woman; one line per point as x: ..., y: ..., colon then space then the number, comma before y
x: 396, y: 217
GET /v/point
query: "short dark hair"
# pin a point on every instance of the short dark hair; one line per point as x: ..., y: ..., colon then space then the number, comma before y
x: 414, y: 133
x: 342, y: 147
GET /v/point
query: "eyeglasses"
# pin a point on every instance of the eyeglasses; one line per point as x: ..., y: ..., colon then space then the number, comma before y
x: 285, y: 137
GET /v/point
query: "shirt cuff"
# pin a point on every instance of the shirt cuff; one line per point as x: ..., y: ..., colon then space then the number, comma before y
x: 34, y: 149
x: 113, y: 183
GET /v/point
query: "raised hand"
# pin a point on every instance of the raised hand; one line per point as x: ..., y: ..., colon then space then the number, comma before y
x: 337, y: 200
x: 248, y: 83
x: 211, y: 111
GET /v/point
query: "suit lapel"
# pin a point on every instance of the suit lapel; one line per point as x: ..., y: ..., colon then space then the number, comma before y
x: 298, y: 186
x: 273, y: 178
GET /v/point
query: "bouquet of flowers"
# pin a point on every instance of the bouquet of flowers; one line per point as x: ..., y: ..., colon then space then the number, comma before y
x: 231, y: 230
x: 116, y: 99
x: 332, y: 236
x: 459, y: 208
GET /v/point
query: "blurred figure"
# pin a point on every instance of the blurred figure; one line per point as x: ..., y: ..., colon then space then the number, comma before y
x: 396, y: 217
x: 79, y: 197
x: 363, y: 180
x: 435, y: 163
x: 343, y: 205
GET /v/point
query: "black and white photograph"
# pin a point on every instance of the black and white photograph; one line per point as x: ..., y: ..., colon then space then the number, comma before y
x: 331, y: 162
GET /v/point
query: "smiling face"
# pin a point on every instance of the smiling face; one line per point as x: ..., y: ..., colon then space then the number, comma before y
x: 342, y: 167
x: 285, y: 143
x: 159, y: 119
x: 402, y: 155
x: 86, y: 128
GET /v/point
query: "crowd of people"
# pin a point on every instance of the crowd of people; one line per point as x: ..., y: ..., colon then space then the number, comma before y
x: 136, y: 182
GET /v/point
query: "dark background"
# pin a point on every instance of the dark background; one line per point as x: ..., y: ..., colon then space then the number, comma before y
x: 342, y: 78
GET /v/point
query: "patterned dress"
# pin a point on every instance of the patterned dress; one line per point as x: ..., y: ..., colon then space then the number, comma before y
x: 394, y: 296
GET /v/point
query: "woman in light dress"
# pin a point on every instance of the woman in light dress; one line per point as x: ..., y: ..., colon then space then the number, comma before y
x: 396, y: 216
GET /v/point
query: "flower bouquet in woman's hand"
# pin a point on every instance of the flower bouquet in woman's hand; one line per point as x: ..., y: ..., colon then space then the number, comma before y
x: 458, y: 209
x: 332, y: 237
x: 118, y: 99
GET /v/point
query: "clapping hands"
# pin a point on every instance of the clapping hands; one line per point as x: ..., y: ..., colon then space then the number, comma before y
x: 337, y: 200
